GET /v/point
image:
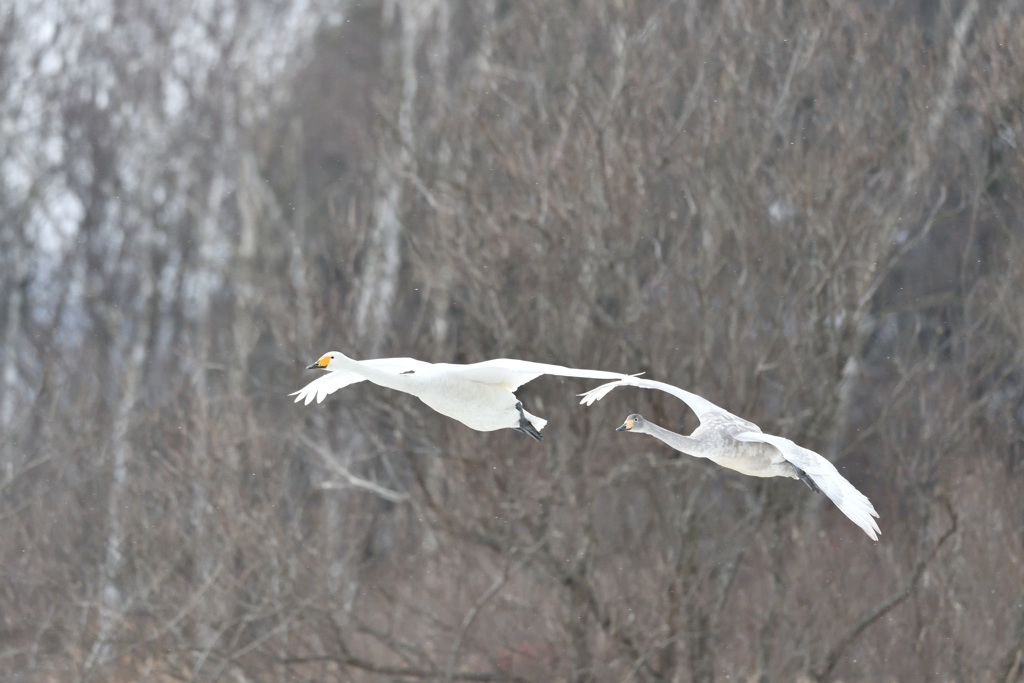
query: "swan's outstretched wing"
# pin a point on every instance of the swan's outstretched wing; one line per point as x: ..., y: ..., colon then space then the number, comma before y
x: 337, y: 379
x: 701, y: 406
x: 852, y: 502
x: 511, y: 373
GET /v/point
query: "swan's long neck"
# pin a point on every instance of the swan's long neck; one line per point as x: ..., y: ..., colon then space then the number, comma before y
x: 685, y: 444
x: 376, y: 375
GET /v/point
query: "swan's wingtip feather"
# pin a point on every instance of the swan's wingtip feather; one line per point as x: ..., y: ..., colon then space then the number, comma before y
x: 851, y: 502
x: 872, y: 531
x: 594, y: 395
x: 862, y: 513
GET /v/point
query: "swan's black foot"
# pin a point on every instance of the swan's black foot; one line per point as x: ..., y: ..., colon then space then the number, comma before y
x: 807, y: 480
x: 525, y: 426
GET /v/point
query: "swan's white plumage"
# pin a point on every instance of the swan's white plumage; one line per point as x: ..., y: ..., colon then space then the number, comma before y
x: 698, y: 404
x: 739, y: 445
x: 480, y: 395
x: 824, y: 474
x: 323, y: 386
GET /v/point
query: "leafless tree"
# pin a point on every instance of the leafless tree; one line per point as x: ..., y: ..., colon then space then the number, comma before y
x: 810, y: 213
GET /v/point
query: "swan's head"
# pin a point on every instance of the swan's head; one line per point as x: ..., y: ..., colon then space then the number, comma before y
x: 633, y: 423
x: 325, y: 361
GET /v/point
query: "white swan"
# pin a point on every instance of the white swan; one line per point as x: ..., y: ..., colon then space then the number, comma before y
x: 477, y: 395
x: 740, y: 445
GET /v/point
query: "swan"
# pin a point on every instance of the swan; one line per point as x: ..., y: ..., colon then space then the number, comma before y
x: 479, y: 395
x: 740, y: 445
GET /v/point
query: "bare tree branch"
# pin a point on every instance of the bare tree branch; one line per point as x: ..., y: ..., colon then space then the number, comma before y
x: 837, y: 650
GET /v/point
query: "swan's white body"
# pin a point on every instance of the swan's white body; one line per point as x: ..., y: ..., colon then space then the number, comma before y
x: 477, y: 395
x: 740, y: 445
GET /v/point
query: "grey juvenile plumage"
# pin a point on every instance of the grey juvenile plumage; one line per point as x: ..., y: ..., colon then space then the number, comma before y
x: 740, y: 445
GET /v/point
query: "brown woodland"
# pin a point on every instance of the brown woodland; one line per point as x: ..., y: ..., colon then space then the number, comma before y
x: 812, y: 213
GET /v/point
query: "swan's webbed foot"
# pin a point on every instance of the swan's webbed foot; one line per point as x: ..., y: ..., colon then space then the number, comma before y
x: 525, y: 426
x: 807, y: 480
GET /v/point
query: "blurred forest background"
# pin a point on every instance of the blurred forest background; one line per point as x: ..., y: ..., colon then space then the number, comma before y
x: 811, y: 213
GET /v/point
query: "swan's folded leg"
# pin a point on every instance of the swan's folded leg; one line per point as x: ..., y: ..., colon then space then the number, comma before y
x: 807, y: 480
x: 525, y: 426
